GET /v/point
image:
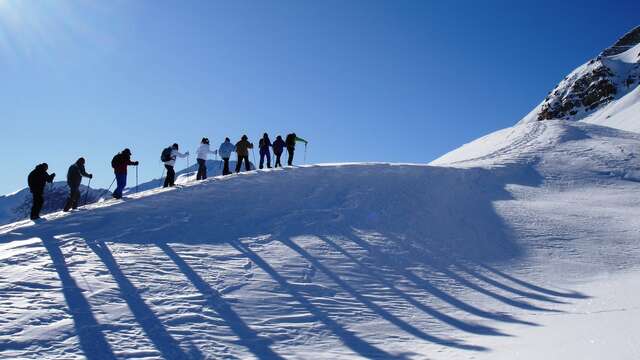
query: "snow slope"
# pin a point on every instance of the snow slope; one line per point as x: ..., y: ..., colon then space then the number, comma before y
x: 469, y: 257
x: 17, y: 205
x: 214, y: 168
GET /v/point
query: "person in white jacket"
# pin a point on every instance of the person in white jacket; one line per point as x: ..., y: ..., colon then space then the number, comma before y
x: 170, y: 163
x: 203, y: 154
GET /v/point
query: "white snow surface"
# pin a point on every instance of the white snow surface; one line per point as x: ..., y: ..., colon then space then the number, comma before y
x: 520, y: 245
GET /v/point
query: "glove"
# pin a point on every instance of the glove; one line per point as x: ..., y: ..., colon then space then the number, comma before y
x: 53, y: 175
x: 187, y: 153
x: 90, y: 176
x: 136, y: 163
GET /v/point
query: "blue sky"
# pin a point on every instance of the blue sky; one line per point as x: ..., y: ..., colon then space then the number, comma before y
x: 401, y: 81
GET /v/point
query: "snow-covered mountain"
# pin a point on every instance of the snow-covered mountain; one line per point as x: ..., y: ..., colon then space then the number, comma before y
x: 17, y: 205
x: 604, y: 91
x: 522, y: 244
x: 499, y: 252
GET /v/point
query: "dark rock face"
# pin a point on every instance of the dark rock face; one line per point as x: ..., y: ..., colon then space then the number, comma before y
x: 629, y: 40
x: 594, y: 84
x: 590, y: 91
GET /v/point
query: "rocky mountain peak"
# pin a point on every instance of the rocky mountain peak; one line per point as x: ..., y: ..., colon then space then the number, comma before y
x: 629, y: 40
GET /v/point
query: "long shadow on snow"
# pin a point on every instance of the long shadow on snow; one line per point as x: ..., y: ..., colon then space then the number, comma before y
x: 446, y: 212
x: 405, y: 326
x: 374, y: 275
x: 424, y: 284
x: 435, y: 259
x: 151, y: 325
x: 248, y: 337
x: 540, y: 289
x: 347, y: 337
x: 93, y: 343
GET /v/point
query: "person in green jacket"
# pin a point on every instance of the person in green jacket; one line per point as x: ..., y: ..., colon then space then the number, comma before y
x: 291, y: 146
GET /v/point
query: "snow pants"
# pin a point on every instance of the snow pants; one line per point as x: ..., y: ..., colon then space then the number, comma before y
x: 171, y: 176
x: 225, y: 169
x: 38, y: 201
x: 278, y: 160
x: 247, y: 167
x: 202, y: 169
x: 121, y: 181
x: 265, y: 153
x: 290, y: 150
x: 74, y: 196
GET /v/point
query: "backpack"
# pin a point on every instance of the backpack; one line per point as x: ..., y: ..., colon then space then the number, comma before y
x: 166, y: 154
x: 117, y: 159
x: 290, y: 141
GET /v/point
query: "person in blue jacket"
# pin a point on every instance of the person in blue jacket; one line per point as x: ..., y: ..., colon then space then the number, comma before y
x: 264, y: 144
x: 225, y: 150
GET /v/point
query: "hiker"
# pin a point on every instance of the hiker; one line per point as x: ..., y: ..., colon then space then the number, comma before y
x: 278, y: 147
x: 168, y: 157
x: 119, y: 164
x: 203, y: 153
x: 74, y: 178
x: 291, y: 146
x: 264, y: 145
x: 242, y: 149
x: 37, y: 180
x: 225, y: 150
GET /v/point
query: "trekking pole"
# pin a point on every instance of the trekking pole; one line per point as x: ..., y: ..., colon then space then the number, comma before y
x: 305, y: 153
x: 161, y: 176
x: 106, y: 191
x: 136, y: 179
x: 86, y: 194
x: 254, y: 157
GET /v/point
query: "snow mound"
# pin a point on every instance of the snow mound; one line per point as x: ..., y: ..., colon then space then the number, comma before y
x: 335, y: 261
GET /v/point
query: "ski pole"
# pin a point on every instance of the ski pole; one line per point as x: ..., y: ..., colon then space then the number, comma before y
x: 161, y: 176
x: 305, y: 153
x: 106, y: 191
x: 86, y: 194
x: 254, y: 157
x: 136, y: 179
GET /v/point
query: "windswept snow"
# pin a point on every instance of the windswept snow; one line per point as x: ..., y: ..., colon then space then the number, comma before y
x: 507, y: 239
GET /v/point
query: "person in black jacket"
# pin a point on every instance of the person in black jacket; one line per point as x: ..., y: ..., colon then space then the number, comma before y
x: 278, y: 148
x: 74, y: 178
x: 38, y: 178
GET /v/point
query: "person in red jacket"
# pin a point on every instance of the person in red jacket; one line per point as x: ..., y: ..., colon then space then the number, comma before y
x: 120, y: 162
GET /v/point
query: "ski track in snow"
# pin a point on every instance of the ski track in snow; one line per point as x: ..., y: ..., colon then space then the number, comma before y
x: 335, y: 261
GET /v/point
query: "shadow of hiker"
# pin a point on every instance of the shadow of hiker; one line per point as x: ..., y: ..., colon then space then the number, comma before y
x: 93, y: 343
x: 540, y: 289
x: 421, y: 283
x: 248, y: 337
x: 431, y: 258
x: 403, y: 325
x: 373, y: 274
x: 347, y: 337
x: 151, y: 325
